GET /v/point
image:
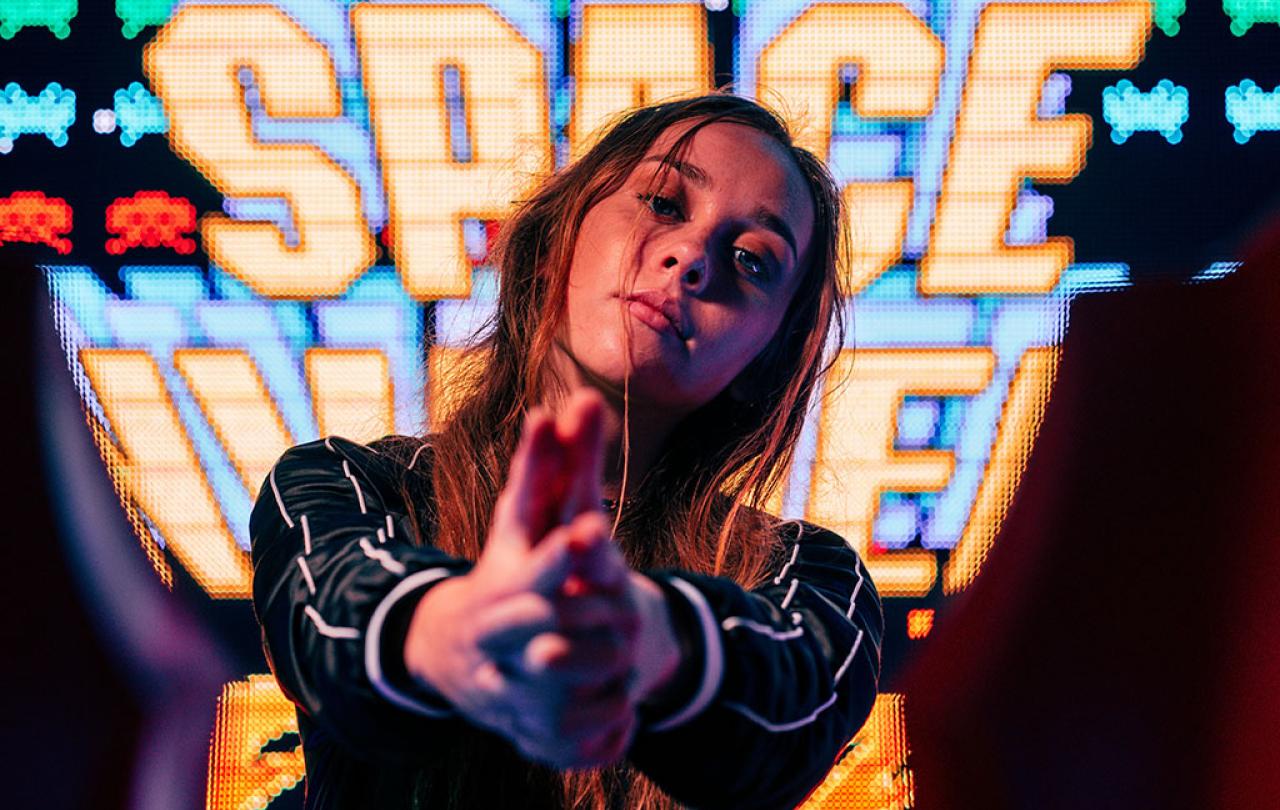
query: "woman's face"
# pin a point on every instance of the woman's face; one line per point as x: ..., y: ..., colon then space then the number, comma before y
x: 694, y: 274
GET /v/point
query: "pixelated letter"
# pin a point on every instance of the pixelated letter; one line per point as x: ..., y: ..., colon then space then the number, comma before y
x: 615, y: 66
x: 899, y: 63
x: 238, y: 405
x: 351, y: 392
x: 1019, y: 425
x: 999, y: 139
x: 194, y: 64
x: 405, y: 51
x: 856, y: 460
x: 878, y: 223
x: 251, y: 714
x: 157, y: 466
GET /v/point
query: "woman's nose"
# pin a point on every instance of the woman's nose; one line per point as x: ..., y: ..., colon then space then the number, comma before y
x: 688, y: 262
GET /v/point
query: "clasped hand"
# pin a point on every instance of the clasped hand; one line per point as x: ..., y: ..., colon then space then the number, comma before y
x: 550, y: 640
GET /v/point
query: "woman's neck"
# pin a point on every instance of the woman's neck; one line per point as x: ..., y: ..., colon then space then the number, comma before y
x: 645, y: 440
x: 639, y: 445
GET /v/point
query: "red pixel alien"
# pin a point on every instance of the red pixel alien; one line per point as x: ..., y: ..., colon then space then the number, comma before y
x: 151, y: 219
x: 29, y: 216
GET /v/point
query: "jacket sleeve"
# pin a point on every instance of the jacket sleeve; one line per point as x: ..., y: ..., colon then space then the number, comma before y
x: 782, y: 678
x: 335, y: 582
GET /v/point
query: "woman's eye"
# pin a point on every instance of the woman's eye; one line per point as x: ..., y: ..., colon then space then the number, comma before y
x: 754, y: 264
x: 662, y: 206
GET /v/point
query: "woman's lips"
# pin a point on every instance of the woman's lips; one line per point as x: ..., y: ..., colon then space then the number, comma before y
x: 651, y: 317
x: 656, y: 302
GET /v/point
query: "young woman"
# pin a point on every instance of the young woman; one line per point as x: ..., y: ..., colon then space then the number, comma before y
x: 571, y: 595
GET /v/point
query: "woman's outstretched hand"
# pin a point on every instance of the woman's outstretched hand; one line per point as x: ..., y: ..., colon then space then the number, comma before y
x: 551, y: 640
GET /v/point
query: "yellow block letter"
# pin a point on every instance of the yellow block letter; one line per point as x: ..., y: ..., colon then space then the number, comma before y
x: 405, y: 51
x: 160, y: 469
x: 237, y: 404
x: 899, y: 62
x: 630, y: 55
x: 1019, y: 425
x: 999, y: 139
x: 856, y: 461
x: 351, y: 392
x: 251, y: 714
x: 193, y: 65
x: 875, y: 772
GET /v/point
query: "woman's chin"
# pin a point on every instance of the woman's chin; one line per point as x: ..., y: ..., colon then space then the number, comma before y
x: 656, y: 385
x: 658, y: 376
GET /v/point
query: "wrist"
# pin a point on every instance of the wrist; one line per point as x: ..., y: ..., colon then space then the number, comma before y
x: 660, y: 652
x: 687, y: 692
x: 426, y: 641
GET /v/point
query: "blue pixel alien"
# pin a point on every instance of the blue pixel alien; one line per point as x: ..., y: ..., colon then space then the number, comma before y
x: 50, y: 114
x: 1250, y: 109
x: 1164, y: 109
x: 138, y: 113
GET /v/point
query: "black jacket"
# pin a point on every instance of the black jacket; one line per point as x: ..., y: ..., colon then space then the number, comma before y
x: 776, y: 682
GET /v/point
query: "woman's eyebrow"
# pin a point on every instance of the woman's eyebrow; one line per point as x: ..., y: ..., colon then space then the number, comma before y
x: 767, y: 219
x: 694, y: 174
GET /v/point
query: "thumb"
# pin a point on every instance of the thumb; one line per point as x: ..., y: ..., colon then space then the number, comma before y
x: 599, y: 563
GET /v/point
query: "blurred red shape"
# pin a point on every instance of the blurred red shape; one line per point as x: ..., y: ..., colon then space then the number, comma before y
x: 30, y: 216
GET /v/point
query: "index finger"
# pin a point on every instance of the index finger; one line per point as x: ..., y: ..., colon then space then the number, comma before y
x: 581, y: 430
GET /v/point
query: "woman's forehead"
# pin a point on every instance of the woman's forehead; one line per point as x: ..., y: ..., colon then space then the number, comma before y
x: 721, y: 146
x: 741, y: 161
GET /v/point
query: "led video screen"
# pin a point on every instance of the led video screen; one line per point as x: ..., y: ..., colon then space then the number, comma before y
x: 287, y: 233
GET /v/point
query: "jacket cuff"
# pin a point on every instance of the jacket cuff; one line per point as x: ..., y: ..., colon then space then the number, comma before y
x: 701, y: 669
x: 384, y: 646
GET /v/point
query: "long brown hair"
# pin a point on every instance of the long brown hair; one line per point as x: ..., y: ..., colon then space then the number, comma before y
x: 701, y: 506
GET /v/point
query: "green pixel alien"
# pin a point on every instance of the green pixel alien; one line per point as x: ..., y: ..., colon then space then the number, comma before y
x: 1244, y: 13
x: 138, y: 14
x: 52, y: 14
x: 1166, y: 13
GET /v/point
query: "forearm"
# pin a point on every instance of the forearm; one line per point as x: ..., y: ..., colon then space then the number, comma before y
x: 798, y: 673
x: 333, y: 577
